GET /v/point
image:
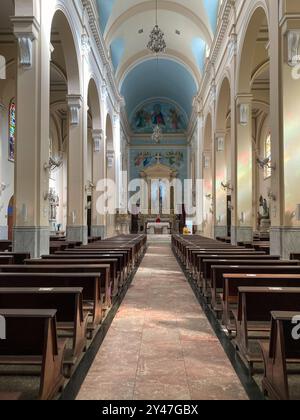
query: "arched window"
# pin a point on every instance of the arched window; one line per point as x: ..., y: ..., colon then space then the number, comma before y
x: 268, y: 155
x: 12, y: 131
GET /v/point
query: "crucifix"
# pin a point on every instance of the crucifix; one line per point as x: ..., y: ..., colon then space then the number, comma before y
x: 158, y: 157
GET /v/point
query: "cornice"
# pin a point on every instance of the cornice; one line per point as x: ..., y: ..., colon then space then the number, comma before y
x: 93, y: 17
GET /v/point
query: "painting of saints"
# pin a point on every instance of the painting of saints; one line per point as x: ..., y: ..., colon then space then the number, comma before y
x: 157, y: 116
x: 175, y: 119
x: 139, y: 159
x: 140, y: 119
x: 147, y: 160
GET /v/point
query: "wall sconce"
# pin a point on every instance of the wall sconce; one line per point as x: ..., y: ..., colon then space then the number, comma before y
x: 226, y: 187
x: 90, y: 187
x: 53, y: 164
x: 265, y: 163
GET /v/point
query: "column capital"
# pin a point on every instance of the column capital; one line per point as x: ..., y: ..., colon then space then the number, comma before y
x: 244, y: 98
x: 244, y: 102
x: 26, y: 30
x: 74, y: 103
x: 110, y: 156
x: 98, y: 138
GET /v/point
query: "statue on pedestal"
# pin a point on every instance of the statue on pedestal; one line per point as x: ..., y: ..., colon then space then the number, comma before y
x: 264, y: 221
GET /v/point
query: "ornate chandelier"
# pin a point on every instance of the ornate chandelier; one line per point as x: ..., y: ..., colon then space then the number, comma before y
x: 157, y: 43
x: 157, y: 134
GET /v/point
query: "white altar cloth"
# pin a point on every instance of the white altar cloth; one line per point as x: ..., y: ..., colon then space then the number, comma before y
x: 163, y: 226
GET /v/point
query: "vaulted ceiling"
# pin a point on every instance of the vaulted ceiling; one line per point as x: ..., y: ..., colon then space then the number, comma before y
x: 189, y: 28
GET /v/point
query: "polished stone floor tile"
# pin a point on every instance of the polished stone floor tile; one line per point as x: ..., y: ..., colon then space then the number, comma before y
x: 160, y: 345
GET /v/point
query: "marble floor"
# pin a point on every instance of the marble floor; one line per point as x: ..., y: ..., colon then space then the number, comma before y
x: 160, y: 345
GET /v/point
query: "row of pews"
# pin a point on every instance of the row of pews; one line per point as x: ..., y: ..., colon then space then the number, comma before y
x: 52, y: 308
x: 256, y: 299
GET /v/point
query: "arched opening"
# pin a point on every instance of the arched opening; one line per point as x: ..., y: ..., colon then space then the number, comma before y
x: 252, y: 108
x: 64, y: 83
x: 110, y: 170
x: 208, y: 217
x: 223, y: 162
x: 94, y: 162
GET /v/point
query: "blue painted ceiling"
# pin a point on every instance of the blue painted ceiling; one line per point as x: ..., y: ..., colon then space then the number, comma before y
x: 162, y: 78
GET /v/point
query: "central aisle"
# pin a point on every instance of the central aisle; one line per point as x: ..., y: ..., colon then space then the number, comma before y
x: 160, y: 345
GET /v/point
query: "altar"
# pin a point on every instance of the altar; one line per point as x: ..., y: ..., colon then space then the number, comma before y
x: 162, y: 228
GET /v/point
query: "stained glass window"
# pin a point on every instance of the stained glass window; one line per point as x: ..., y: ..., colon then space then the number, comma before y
x: 12, y: 131
x: 268, y: 154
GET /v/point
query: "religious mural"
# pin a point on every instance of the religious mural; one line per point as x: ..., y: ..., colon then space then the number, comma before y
x: 145, y: 159
x: 175, y: 158
x: 169, y: 118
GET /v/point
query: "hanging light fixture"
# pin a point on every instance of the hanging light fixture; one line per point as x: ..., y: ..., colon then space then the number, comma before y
x: 157, y: 43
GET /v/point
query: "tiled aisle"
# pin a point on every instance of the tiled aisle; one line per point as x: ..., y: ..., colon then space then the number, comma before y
x: 160, y: 345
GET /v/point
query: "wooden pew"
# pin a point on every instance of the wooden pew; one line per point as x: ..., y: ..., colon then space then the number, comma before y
x: 281, y: 350
x: 123, y: 267
x: 260, y: 267
x: 18, y: 257
x: 208, y: 280
x: 86, y: 260
x: 227, y: 257
x: 45, y: 266
x: 232, y: 282
x: 5, y: 246
x: 31, y: 339
x: 253, y: 315
x: 68, y: 304
x: 6, y: 260
x: 89, y: 282
x: 234, y: 251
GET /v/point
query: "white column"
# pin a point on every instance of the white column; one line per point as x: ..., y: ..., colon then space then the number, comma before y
x: 31, y: 231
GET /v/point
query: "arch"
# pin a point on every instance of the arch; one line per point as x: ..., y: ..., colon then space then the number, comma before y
x: 144, y: 56
x: 208, y: 132
x: 166, y: 5
x: 63, y: 26
x: 94, y: 104
x: 257, y: 15
x: 109, y: 134
x: 223, y: 104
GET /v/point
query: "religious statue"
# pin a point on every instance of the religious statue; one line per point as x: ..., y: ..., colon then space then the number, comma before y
x: 263, y: 215
x: 53, y: 204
